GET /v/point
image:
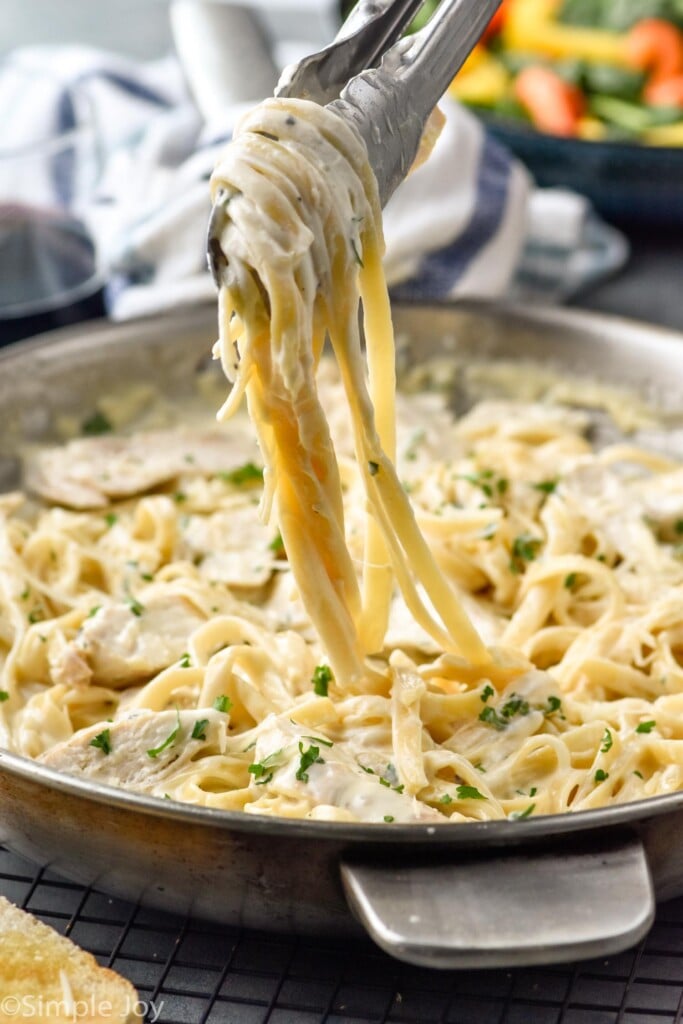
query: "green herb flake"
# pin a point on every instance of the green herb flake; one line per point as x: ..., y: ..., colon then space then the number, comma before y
x: 322, y: 677
x: 487, y: 692
x: 135, y: 606
x: 110, y: 519
x: 4, y: 695
x: 96, y: 424
x: 646, y: 726
x: 373, y: 468
x: 546, y: 486
x: 25, y: 594
x: 520, y: 815
x: 552, y: 706
x: 199, y: 729
x: 93, y: 611
x: 524, y: 549
x: 388, y: 818
x: 308, y: 757
x: 469, y: 793
x: 606, y: 742
x: 185, y: 660
x: 500, y: 719
x: 263, y: 771
x: 223, y: 703
x: 601, y: 775
x: 639, y: 774
x: 179, y: 497
x: 356, y: 254
x: 102, y: 741
x: 277, y: 545
x: 169, y: 741
x: 36, y: 615
x: 446, y: 799
x: 570, y: 580
x: 246, y: 474
x: 678, y: 526
x: 319, y: 739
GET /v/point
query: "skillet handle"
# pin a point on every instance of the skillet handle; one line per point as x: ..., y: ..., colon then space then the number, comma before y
x: 513, y: 908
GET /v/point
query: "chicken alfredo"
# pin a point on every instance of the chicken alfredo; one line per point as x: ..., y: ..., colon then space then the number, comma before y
x: 439, y: 621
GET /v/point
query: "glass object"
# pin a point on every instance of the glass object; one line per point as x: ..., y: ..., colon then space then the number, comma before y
x: 50, y: 272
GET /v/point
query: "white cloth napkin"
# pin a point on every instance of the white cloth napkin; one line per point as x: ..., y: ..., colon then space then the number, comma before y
x: 469, y: 222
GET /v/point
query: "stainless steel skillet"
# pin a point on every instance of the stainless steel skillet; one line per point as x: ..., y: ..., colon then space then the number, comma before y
x: 485, y: 894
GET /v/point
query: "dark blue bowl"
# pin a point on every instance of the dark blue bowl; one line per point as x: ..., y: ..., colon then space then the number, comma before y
x: 626, y: 182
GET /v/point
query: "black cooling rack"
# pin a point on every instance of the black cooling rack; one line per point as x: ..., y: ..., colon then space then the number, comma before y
x: 190, y: 972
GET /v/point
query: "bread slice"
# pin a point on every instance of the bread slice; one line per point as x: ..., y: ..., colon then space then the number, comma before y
x: 45, y: 977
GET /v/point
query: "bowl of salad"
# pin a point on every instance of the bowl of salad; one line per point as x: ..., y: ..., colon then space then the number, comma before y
x: 589, y: 94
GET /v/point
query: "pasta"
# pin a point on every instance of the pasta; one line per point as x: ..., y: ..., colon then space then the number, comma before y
x: 426, y: 620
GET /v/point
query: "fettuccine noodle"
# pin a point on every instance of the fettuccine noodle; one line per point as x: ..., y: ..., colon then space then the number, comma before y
x: 447, y: 621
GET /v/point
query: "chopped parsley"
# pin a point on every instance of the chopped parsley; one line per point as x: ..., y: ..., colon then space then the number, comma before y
x: 169, y: 741
x: 135, y: 606
x: 319, y: 739
x: 601, y: 775
x: 223, y: 703
x: 322, y: 677
x: 110, y: 518
x: 263, y: 771
x: 4, y: 695
x: 308, y: 758
x: 570, y: 580
x: 546, y: 486
x: 102, y: 741
x: 646, y: 726
x: 199, y: 729
x: 519, y: 815
x: 179, y: 497
x: 469, y: 793
x: 607, y: 741
x: 356, y: 254
x: 277, y: 545
x: 524, y: 549
x: 383, y: 781
x: 446, y: 799
x: 246, y: 474
x: 486, y: 482
x: 185, y: 660
x: 552, y: 706
x: 639, y: 774
x: 487, y: 692
x: 93, y: 611
x: 678, y: 526
x: 373, y: 468
x: 25, y: 594
x: 500, y: 719
x: 36, y: 615
x: 388, y: 818
x: 96, y: 424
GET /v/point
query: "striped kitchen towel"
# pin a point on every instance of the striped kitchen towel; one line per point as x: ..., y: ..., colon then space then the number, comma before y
x: 469, y: 222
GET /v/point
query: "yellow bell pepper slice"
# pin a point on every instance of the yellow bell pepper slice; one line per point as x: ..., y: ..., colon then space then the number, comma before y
x: 529, y: 28
x: 484, y: 84
x: 665, y: 135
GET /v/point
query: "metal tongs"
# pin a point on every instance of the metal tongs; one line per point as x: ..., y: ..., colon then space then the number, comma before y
x: 387, y: 85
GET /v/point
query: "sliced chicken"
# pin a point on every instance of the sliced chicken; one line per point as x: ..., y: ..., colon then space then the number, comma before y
x: 232, y: 546
x: 123, y: 644
x: 143, y: 751
x: 336, y: 780
x: 91, y: 472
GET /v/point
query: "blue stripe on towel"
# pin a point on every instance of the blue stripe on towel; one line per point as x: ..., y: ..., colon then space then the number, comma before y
x: 63, y: 163
x: 441, y: 270
x: 131, y: 86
